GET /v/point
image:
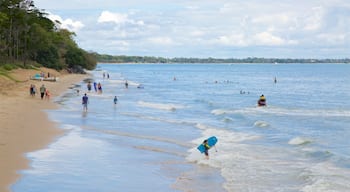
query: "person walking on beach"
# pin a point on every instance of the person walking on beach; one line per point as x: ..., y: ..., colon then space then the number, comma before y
x: 85, y: 101
x: 47, y: 94
x: 32, y: 90
x: 42, y: 91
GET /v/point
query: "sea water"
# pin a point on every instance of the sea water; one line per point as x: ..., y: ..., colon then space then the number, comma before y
x: 148, y: 140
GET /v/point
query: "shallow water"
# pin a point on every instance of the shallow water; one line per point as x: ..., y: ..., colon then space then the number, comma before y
x: 147, y: 142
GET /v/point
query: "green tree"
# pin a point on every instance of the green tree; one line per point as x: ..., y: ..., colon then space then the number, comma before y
x: 27, y: 34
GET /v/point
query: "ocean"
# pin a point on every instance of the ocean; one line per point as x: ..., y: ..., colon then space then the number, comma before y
x: 147, y: 141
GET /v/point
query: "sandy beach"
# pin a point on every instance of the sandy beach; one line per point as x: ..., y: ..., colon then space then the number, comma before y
x: 25, y: 126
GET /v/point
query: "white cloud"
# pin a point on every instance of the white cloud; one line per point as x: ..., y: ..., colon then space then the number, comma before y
x: 314, y: 21
x: 208, y: 27
x: 162, y: 41
x: 117, y: 18
x: 197, y: 33
x: 69, y: 24
x: 233, y: 40
x: 332, y: 39
x: 268, y: 39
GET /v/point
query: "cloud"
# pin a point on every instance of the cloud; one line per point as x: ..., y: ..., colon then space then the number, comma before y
x: 216, y: 28
x: 69, y: 24
x: 332, y: 39
x: 117, y: 18
x: 233, y: 40
x: 266, y: 38
x: 314, y: 21
x: 162, y: 41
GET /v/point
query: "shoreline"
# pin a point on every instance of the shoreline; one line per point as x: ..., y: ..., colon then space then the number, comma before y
x: 25, y: 126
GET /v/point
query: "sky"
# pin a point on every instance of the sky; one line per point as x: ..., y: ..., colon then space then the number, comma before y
x: 207, y: 28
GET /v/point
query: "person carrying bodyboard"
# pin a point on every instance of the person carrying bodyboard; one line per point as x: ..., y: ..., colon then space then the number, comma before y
x: 206, y: 145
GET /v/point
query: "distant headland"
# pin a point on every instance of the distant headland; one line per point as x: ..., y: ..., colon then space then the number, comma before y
x: 103, y: 58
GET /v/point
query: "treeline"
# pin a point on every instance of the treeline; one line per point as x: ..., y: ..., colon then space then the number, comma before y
x: 139, y: 59
x: 27, y: 36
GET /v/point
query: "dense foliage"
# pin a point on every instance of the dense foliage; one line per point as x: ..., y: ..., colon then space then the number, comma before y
x: 27, y: 36
x: 139, y: 59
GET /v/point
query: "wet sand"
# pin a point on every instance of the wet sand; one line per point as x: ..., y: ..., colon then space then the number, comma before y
x: 24, y: 125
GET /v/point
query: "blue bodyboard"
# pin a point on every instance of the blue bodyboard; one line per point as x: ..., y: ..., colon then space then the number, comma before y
x: 211, y: 142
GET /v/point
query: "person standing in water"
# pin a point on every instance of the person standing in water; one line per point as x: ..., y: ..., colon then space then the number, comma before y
x: 115, y: 100
x: 95, y: 86
x: 99, y: 87
x: 85, y: 101
x: 207, y: 147
x: 126, y: 84
x: 89, y: 86
x: 262, y: 101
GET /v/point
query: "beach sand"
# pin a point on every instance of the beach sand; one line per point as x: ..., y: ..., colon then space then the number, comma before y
x: 24, y: 126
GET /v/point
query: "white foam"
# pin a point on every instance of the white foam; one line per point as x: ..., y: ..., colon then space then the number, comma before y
x: 257, y: 168
x: 324, y: 177
x: 221, y: 111
x: 299, y: 141
x: 261, y: 124
x: 285, y: 111
x: 158, y: 118
x: 161, y: 106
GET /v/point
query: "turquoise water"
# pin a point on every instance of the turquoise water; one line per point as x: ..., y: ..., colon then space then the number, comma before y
x: 147, y: 142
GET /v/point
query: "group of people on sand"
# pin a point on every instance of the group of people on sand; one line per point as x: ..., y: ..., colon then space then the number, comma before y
x: 44, y: 92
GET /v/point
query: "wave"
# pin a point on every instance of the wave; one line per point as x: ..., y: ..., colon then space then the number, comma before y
x: 222, y: 111
x: 122, y: 82
x: 238, y: 159
x: 161, y: 106
x: 147, y: 137
x: 172, y: 121
x: 160, y: 150
x: 285, y: 111
x: 299, y: 141
x: 227, y: 120
x: 325, y: 176
x: 261, y: 124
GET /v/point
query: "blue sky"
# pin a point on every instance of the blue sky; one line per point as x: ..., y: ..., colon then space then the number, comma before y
x: 208, y: 28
